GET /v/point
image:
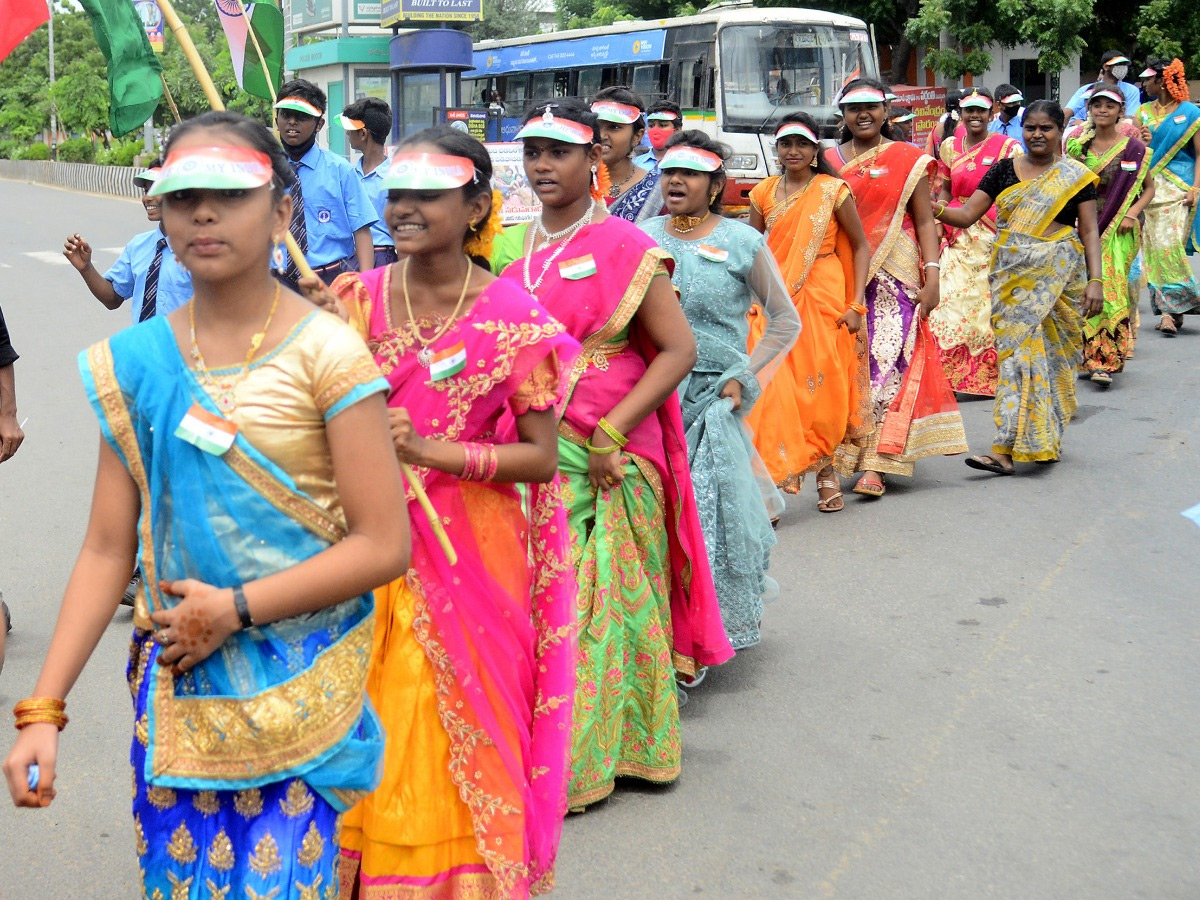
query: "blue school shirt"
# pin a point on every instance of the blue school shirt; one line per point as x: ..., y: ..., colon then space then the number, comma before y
x: 1078, y: 102
x: 380, y: 236
x: 646, y: 161
x: 336, y: 204
x: 128, y: 275
x: 1014, y: 128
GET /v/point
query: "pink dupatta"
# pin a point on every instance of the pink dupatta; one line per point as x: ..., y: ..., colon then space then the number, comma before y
x: 597, y: 309
x: 498, y: 658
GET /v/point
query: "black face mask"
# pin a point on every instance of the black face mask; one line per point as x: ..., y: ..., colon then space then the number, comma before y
x: 297, y: 151
x: 1011, y: 111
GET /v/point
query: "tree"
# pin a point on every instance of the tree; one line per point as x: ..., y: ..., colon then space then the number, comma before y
x: 954, y: 32
x: 1169, y: 29
x: 505, y: 19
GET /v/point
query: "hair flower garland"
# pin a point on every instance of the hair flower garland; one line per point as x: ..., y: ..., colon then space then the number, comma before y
x: 1175, y: 81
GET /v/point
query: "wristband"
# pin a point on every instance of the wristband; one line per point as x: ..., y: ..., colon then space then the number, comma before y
x: 243, y: 610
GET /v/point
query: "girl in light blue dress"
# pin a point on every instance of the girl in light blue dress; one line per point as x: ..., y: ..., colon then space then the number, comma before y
x: 722, y: 269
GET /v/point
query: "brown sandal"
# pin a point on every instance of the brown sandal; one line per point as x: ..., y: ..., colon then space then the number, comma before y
x: 834, y: 502
x: 1167, y: 326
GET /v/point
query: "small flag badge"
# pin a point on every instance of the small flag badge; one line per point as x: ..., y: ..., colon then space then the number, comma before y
x: 448, y: 362
x: 988, y: 160
x: 1179, y: 119
x: 208, y: 432
x: 880, y: 172
x: 1128, y: 165
x: 575, y: 269
x: 713, y: 254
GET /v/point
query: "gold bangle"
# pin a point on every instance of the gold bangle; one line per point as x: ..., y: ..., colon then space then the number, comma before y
x: 858, y: 308
x: 607, y: 427
x: 938, y: 212
x: 602, y: 451
x: 1099, y: 281
x: 40, y: 710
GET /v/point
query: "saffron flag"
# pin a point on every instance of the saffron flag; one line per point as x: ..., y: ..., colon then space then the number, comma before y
x: 266, y: 21
x: 134, y: 72
x: 19, y: 20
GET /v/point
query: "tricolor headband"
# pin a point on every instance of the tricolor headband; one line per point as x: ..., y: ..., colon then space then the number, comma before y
x: 428, y: 172
x: 1117, y: 61
x: 213, y: 168
x: 862, y: 95
x: 904, y: 117
x: 664, y: 115
x: 300, y: 105
x: 149, y: 176
x: 556, y: 129
x: 1012, y: 98
x: 1110, y: 93
x: 889, y: 97
x: 351, y: 124
x: 681, y: 157
x: 1149, y: 73
x: 798, y: 130
x: 975, y: 100
x: 620, y: 113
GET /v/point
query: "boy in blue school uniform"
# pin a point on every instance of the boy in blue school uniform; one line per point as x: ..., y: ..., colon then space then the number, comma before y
x: 367, y: 123
x: 332, y: 212
x: 146, y: 272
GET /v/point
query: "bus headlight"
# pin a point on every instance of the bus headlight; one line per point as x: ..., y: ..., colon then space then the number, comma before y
x: 742, y: 161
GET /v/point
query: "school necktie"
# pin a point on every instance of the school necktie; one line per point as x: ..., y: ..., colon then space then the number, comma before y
x: 297, y: 227
x: 151, y: 293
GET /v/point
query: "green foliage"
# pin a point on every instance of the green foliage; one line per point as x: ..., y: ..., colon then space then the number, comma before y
x: 1170, y: 29
x: 37, y: 151
x: 124, y: 153
x: 9, y: 148
x: 1053, y: 26
x: 505, y: 19
x: 77, y: 150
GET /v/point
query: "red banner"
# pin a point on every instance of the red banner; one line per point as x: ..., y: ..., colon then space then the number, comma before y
x: 927, y: 104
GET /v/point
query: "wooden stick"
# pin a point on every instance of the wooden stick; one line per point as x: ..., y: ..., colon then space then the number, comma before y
x: 262, y: 60
x: 189, y: 50
x: 170, y: 99
x: 214, y: 100
x: 418, y: 489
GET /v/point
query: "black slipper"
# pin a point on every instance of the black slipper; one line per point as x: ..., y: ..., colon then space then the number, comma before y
x: 987, y: 464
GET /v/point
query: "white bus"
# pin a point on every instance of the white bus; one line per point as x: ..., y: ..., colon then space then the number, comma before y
x: 733, y: 68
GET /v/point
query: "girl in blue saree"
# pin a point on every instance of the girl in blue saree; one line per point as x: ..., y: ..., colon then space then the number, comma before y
x: 258, y: 492
x: 1170, y: 125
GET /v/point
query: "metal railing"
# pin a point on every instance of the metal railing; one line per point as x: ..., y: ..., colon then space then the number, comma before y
x: 116, y: 181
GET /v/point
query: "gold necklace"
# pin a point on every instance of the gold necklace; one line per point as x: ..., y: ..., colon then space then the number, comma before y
x: 225, y: 399
x: 685, y: 224
x: 864, y: 159
x: 425, y: 355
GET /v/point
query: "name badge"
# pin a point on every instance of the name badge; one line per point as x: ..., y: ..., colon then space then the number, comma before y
x: 575, y: 269
x: 988, y: 160
x: 1179, y: 119
x: 880, y: 172
x: 713, y: 254
x: 1128, y: 166
x: 208, y: 432
x: 324, y: 216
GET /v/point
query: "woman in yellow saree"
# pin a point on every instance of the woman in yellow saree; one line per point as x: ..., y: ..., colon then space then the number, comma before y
x: 1046, y: 240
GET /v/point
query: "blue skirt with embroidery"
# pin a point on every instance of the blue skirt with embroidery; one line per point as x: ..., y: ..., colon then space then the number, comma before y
x: 278, y: 841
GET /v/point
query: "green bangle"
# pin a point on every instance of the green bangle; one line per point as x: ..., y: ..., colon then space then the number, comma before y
x: 607, y: 427
x: 603, y: 451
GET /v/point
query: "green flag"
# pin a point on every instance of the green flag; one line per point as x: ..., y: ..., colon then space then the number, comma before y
x: 134, y: 82
x: 266, y: 21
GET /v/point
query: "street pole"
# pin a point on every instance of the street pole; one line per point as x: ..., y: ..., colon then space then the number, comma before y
x: 53, y: 108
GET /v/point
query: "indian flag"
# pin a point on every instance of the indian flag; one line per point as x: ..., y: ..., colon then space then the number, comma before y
x: 238, y: 17
x: 202, y: 429
x: 448, y: 362
x: 575, y: 269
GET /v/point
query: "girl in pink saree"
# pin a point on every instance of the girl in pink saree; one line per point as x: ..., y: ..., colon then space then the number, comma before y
x: 473, y: 666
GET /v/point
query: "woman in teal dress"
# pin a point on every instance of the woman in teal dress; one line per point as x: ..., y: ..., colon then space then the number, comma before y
x: 722, y: 268
x: 258, y: 491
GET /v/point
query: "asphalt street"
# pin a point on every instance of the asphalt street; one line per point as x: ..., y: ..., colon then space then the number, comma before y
x: 975, y: 687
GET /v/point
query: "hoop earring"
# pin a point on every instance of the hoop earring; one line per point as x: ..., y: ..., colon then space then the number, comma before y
x: 595, y: 180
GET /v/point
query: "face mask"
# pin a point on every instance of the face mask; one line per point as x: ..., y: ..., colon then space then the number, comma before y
x: 658, y: 137
x: 1119, y: 72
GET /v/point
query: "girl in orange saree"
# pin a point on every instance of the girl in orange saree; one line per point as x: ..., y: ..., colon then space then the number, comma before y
x: 820, y: 396
x: 890, y: 183
x: 473, y: 662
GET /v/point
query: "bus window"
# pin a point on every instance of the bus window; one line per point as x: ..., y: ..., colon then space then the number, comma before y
x: 543, y: 85
x: 515, y: 92
x: 589, y: 83
x: 770, y: 70
x: 648, y: 81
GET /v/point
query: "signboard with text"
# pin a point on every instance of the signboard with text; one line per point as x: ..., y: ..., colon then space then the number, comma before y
x: 473, y: 121
x: 636, y: 46
x: 508, y: 177
x: 927, y: 104
x: 393, y: 12
x: 152, y: 18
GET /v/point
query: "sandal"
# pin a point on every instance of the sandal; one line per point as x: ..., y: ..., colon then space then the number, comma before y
x: 1101, y: 378
x: 1167, y: 326
x: 871, y: 487
x: 989, y: 464
x: 834, y: 502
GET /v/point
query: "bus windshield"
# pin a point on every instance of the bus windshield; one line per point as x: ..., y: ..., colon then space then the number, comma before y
x: 770, y: 70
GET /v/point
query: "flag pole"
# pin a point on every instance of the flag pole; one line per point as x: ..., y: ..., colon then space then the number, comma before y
x: 193, y: 57
x: 170, y: 99
x: 262, y: 60
x: 214, y: 100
